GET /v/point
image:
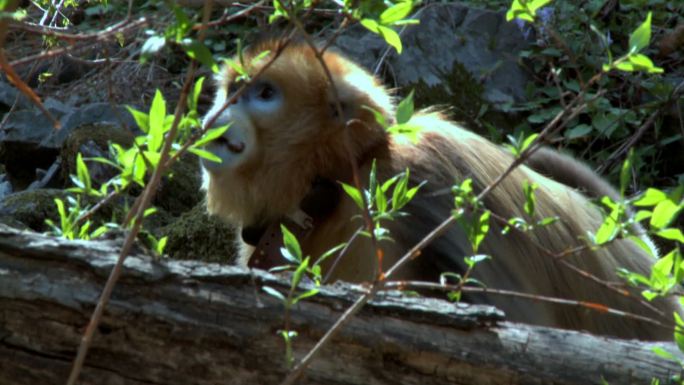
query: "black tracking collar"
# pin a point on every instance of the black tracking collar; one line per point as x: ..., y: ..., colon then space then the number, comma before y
x: 319, y: 203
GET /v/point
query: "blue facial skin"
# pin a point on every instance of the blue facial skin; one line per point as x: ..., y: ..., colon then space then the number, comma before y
x: 262, y: 98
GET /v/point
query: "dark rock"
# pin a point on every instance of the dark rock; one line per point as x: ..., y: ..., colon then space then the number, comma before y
x: 457, y: 55
x: 29, y: 141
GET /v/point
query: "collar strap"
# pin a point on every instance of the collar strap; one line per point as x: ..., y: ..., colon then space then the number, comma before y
x: 317, y: 205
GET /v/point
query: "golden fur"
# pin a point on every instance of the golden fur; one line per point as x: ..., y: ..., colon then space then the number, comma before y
x: 303, y: 139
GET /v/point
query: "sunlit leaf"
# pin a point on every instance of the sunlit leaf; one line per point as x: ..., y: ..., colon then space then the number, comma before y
x: 405, y: 109
x: 354, y: 194
x: 640, y: 38
x: 291, y: 243
x: 157, y: 117
x: 651, y: 197
x: 205, y: 154
x: 396, y: 12
x: 391, y: 37
x: 273, y: 293
x: 198, y: 51
x: 664, y: 213
x: 211, y: 134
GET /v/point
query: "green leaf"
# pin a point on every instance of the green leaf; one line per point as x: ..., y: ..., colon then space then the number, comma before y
x: 354, y: 194
x: 141, y: 119
x: 607, y: 231
x: 61, y: 212
x: 196, y: 91
x: 328, y: 253
x: 198, y: 51
x: 291, y: 243
x: 475, y: 259
x: 278, y: 12
x: 405, y: 109
x: 161, y: 245
x: 211, y: 134
x: 528, y: 142
x: 625, y: 172
x: 256, y: 59
x: 379, y: 117
x: 407, y: 130
x: 662, y: 353
x: 679, y: 332
x: 237, y: 67
x: 139, y: 170
x: 651, y: 197
x: 641, y: 62
x: 640, y: 38
x: 288, y: 256
x: 624, y: 66
x: 307, y: 294
x: 299, y: 273
x: 672, y: 234
x: 480, y: 230
x: 444, y: 278
x: 645, y: 246
x: 664, y: 213
x: 391, y: 37
x: 406, y: 22
x: 182, y: 26
x: 157, y: 117
x: 82, y: 173
x: 149, y: 211
x: 530, y: 197
x: 396, y: 12
x: 380, y: 200
x: 578, y: 131
x: 518, y: 11
x: 205, y: 154
x: 273, y: 293
x: 399, y: 193
x: 661, y: 269
x: 371, y: 25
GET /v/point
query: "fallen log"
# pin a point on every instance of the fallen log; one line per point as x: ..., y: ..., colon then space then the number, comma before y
x: 186, y: 322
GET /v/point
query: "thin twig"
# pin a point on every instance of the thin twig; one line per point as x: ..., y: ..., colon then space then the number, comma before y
x: 121, y: 27
x: 629, y: 143
x: 148, y: 194
x: 532, y: 297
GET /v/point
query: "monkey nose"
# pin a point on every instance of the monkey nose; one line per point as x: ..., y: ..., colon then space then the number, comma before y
x: 233, y: 146
x: 236, y: 147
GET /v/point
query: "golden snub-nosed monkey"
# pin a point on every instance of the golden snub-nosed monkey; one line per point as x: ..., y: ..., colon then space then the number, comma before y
x: 287, y: 139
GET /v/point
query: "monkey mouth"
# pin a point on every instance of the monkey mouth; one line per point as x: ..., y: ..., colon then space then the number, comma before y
x: 236, y: 147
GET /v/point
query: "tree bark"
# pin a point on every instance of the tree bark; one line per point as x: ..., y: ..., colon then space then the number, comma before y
x: 185, y: 322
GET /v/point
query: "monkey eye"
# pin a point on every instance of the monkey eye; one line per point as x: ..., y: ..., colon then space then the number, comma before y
x: 265, y: 91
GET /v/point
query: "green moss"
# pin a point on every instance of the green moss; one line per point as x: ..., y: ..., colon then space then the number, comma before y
x: 180, y: 189
x: 29, y: 209
x: 198, y: 236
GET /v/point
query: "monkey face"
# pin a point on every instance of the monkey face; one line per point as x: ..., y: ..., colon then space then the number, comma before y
x: 239, y: 143
x: 285, y: 130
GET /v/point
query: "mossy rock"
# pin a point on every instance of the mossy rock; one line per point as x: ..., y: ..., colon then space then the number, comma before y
x: 180, y: 191
x: 30, y: 209
x: 197, y: 235
x: 83, y: 138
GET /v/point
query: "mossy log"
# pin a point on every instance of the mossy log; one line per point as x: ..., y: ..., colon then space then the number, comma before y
x: 186, y: 322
